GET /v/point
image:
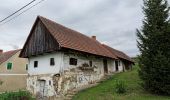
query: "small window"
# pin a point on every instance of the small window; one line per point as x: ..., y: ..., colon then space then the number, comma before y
x: 26, y: 66
x: 49, y: 82
x: 35, y: 64
x: 9, y: 66
x: 73, y: 61
x: 90, y: 63
x: 52, y: 62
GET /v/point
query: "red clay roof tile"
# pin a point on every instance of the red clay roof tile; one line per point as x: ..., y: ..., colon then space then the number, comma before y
x: 68, y: 38
x: 6, y: 55
x: 119, y: 54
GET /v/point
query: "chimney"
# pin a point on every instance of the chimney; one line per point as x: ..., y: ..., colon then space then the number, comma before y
x: 1, y: 51
x: 93, y: 37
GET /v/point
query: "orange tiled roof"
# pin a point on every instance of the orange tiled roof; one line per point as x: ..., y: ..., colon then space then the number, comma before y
x: 68, y: 38
x: 119, y: 54
x: 6, y: 55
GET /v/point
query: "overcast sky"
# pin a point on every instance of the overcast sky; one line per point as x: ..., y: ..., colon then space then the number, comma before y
x: 113, y: 21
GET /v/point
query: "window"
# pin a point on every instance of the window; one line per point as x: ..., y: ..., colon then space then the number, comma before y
x: 52, y: 62
x: 26, y: 66
x: 73, y: 61
x: 9, y: 66
x: 49, y: 82
x: 35, y: 64
x: 90, y: 63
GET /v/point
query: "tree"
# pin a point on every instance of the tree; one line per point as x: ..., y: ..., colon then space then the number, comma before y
x: 154, y: 45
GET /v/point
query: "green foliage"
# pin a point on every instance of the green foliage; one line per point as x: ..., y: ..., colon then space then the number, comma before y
x: 154, y: 45
x: 21, y: 95
x: 120, y: 86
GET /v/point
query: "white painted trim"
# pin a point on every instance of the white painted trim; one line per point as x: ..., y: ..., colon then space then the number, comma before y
x: 13, y: 74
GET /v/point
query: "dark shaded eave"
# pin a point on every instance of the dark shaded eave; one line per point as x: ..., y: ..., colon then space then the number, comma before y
x: 87, y: 53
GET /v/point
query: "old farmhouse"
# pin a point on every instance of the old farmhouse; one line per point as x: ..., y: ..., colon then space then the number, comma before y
x: 13, y: 71
x: 61, y: 59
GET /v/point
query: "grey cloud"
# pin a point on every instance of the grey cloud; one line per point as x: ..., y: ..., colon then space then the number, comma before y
x: 112, y: 21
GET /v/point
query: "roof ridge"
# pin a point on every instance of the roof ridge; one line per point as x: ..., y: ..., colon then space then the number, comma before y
x: 43, y: 19
x: 66, y: 27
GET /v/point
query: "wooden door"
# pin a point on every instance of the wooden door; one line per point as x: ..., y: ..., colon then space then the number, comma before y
x: 42, y: 87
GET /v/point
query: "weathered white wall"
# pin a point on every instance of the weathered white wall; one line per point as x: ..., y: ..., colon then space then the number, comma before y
x: 71, y: 78
x: 121, y: 66
x: 111, y: 65
x: 34, y: 87
x: 98, y: 62
x: 44, y: 64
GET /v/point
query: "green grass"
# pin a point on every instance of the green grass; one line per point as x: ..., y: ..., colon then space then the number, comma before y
x: 106, y: 90
x: 20, y: 95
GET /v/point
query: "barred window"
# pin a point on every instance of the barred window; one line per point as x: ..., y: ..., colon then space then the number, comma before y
x: 52, y: 61
x: 73, y: 61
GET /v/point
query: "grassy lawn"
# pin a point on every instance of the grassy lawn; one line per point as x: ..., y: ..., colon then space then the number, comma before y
x: 106, y: 91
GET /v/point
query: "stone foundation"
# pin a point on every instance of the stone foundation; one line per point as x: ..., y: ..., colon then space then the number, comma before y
x: 59, y: 84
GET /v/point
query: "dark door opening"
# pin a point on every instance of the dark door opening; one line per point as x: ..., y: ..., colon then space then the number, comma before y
x: 105, y: 66
x: 116, y: 65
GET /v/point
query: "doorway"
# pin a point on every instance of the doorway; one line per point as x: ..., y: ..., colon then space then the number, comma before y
x: 105, y: 66
x: 42, y: 87
x: 116, y: 65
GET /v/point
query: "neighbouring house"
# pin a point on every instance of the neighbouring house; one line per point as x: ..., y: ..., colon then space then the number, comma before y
x: 13, y: 71
x: 61, y: 59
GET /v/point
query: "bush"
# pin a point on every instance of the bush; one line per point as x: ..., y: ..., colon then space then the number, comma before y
x: 21, y: 95
x: 120, y: 87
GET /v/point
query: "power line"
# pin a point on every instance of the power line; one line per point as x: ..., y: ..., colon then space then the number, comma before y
x: 17, y: 11
x: 22, y: 12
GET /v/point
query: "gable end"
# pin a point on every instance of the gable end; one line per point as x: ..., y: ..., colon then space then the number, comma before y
x: 39, y: 41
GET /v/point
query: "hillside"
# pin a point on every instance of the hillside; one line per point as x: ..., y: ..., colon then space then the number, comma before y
x: 105, y: 90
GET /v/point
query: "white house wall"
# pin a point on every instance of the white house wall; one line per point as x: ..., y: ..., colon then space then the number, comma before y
x: 70, y: 79
x: 121, y: 66
x: 111, y: 66
x: 44, y: 64
x: 98, y: 62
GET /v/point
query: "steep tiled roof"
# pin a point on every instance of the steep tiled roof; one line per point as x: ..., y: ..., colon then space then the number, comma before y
x: 6, y: 55
x: 119, y: 54
x: 68, y: 38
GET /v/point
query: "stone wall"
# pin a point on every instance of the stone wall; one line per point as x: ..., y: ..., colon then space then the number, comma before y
x: 60, y: 84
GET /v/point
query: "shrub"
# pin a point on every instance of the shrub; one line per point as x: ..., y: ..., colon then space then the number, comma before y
x: 21, y: 95
x: 120, y: 87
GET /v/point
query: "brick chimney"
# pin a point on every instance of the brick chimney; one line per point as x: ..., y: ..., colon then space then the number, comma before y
x: 93, y: 37
x: 1, y: 51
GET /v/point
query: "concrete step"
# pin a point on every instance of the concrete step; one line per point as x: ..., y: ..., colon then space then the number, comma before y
x: 69, y: 95
x: 67, y: 98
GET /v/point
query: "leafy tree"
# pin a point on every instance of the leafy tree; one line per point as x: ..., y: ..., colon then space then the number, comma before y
x: 154, y: 45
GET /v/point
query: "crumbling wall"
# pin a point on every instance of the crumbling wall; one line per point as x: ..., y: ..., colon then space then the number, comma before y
x: 33, y: 85
x: 74, y: 79
x: 70, y: 77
